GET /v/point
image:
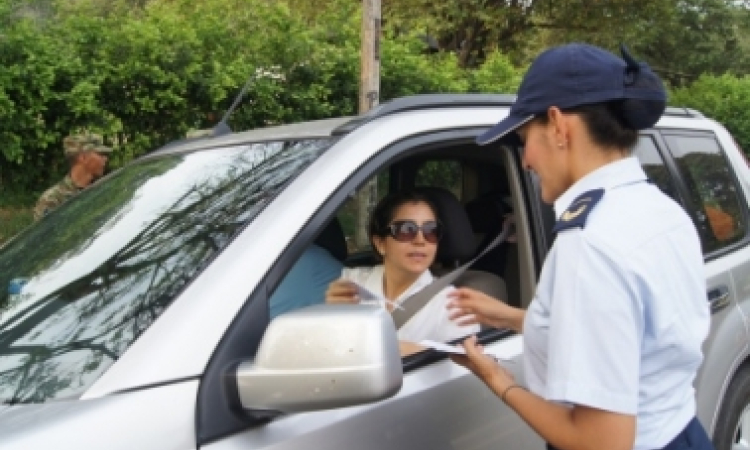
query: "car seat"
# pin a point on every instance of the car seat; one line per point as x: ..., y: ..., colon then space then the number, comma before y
x: 332, y: 239
x: 458, y: 244
x: 486, y: 214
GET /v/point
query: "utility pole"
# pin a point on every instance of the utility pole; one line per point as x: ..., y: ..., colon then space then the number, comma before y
x: 369, y: 96
x: 369, y: 77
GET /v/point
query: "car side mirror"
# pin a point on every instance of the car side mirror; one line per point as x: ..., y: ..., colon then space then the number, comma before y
x: 320, y: 357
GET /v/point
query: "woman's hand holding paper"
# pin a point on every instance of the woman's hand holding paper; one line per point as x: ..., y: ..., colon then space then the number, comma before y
x: 468, y: 306
x: 342, y: 291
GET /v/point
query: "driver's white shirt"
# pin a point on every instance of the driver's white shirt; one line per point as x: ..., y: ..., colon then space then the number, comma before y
x: 431, y: 322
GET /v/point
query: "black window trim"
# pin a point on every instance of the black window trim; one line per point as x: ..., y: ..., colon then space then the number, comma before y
x: 542, y: 215
x: 670, y: 165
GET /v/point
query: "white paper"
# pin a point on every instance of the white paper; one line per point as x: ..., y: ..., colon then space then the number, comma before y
x: 445, y: 348
x: 366, y: 297
x: 505, y: 350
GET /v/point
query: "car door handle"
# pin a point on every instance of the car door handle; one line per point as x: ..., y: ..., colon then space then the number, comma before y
x: 718, y: 298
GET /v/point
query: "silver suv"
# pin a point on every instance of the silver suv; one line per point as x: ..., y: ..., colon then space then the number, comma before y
x: 138, y: 314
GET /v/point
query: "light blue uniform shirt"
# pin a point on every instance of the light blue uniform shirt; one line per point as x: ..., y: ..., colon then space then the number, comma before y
x: 620, y: 311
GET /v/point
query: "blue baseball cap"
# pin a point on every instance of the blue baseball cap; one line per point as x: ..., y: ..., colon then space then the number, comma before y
x: 580, y: 74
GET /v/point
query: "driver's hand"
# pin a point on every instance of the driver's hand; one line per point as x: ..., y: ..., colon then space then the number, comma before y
x: 342, y: 291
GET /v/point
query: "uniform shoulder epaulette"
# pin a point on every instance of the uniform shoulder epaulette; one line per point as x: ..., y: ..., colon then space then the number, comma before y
x: 578, y: 211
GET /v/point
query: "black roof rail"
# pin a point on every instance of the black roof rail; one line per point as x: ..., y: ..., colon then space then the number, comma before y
x: 437, y: 101
x: 425, y: 101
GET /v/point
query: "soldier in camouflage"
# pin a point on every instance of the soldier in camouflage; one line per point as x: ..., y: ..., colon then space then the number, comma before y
x: 87, y: 156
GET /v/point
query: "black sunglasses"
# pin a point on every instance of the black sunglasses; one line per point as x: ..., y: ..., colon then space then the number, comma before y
x: 407, y: 230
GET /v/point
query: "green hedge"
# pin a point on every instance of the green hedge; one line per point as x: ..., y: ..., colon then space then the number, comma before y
x: 144, y: 77
x: 725, y: 99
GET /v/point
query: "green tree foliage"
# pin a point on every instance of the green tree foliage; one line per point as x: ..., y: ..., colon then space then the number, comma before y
x: 698, y: 37
x: 681, y: 38
x: 471, y: 29
x: 144, y: 72
x: 475, y: 28
x: 496, y: 75
x: 725, y: 98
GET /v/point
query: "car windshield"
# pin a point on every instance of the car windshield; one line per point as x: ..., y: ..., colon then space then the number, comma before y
x: 91, y: 276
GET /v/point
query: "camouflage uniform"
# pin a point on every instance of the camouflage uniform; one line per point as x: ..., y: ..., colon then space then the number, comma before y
x: 66, y: 189
x: 55, y: 196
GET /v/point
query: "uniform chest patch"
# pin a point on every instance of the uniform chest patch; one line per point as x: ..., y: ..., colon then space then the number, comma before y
x: 578, y: 211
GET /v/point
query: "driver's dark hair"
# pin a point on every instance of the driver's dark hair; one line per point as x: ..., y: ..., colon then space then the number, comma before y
x: 384, y: 212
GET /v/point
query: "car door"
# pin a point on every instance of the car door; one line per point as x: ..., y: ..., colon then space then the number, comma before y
x: 440, y: 405
x: 712, y: 197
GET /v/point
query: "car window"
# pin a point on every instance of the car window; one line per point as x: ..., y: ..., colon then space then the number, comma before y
x: 355, y: 212
x: 90, y: 277
x: 711, y: 187
x: 653, y: 164
x: 447, y: 174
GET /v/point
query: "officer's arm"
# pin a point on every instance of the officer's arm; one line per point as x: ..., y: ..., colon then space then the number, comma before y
x: 579, y: 428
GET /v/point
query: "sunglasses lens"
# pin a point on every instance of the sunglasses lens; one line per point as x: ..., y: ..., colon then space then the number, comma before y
x: 405, y: 231
x: 431, y: 232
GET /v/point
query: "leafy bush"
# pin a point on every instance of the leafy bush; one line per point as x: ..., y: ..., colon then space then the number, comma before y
x: 725, y: 99
x: 143, y: 76
x: 143, y: 72
x: 496, y: 75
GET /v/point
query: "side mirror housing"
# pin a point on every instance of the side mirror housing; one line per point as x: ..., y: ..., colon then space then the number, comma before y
x: 320, y: 357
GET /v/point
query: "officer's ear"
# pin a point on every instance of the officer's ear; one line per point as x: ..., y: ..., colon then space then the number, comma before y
x: 559, y: 125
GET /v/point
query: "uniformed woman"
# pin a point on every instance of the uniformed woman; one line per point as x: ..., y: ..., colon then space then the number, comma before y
x: 612, y: 338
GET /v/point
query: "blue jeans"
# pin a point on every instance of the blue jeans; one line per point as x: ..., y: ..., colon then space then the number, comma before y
x: 693, y: 437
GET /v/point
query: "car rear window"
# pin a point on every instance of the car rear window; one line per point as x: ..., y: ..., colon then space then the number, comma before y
x: 716, y: 204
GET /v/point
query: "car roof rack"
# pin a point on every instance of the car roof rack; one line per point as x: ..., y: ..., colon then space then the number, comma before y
x: 678, y: 111
x: 438, y: 101
x: 425, y: 101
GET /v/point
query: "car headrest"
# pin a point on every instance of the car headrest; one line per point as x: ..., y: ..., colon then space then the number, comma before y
x: 457, y: 244
x: 332, y: 239
x: 487, y: 213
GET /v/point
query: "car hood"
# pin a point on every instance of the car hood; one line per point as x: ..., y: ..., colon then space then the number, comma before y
x: 124, y: 421
x: 20, y: 420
